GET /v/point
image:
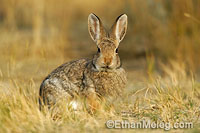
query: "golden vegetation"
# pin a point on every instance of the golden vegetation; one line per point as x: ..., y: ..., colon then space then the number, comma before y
x: 160, y: 53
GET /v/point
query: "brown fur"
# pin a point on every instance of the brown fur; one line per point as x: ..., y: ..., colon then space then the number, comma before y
x: 93, y: 79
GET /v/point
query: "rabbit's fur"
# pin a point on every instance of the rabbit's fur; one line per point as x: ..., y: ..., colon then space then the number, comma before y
x: 91, y: 79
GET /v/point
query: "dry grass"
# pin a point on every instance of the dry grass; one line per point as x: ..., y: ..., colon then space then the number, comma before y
x: 164, y: 83
x: 172, y: 95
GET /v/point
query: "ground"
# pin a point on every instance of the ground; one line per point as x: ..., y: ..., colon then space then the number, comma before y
x: 156, y: 91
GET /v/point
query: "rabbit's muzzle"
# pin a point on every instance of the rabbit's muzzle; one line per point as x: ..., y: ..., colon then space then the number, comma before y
x: 107, y: 62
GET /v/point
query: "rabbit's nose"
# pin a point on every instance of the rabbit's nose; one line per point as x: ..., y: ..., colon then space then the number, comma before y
x: 107, y: 61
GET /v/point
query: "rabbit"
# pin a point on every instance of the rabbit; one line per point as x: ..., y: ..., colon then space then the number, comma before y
x: 92, y: 79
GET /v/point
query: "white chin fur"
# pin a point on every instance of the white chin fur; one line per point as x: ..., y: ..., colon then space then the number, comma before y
x: 104, y: 69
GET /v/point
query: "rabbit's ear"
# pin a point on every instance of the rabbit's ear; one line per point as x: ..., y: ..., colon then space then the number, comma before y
x: 119, y: 28
x: 95, y: 27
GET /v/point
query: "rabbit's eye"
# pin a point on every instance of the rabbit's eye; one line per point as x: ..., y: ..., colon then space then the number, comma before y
x: 116, y: 50
x: 99, y: 50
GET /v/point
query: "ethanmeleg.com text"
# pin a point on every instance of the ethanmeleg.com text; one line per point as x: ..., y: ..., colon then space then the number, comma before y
x: 147, y: 124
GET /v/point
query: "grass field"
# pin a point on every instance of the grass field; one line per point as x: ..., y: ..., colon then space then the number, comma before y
x: 160, y: 54
x: 171, y: 95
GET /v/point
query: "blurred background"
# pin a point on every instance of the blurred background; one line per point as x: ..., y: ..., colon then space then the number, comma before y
x: 39, y: 35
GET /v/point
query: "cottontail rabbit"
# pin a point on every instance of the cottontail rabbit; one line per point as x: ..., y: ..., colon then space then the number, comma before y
x: 91, y: 79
